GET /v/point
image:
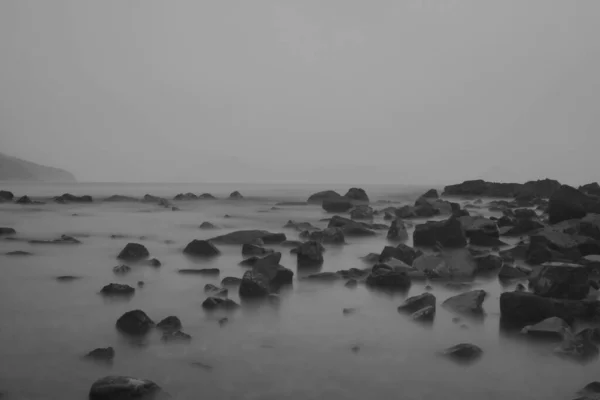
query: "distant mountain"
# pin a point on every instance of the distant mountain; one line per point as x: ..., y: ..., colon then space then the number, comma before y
x: 15, y: 169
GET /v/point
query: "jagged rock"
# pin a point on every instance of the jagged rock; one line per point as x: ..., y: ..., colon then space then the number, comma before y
x: 550, y: 327
x: 467, y: 303
x: 125, y: 388
x: 250, y: 261
x: 185, y: 197
x: 401, y: 252
x: 509, y: 272
x: 135, y: 322
x: 171, y: 323
x: 7, y: 231
x: 463, y: 352
x: 357, y: 194
x: 201, y: 271
x: 431, y: 194
x: 249, y: 236
x: 569, y: 203
x: 488, y: 262
x: 133, y: 252
x: 201, y: 248
x: 416, y: 303
x: 121, y: 269
x: 361, y: 212
x: 388, y: 278
x: 309, y: 254
x: 69, y: 198
x: 207, y: 225
x: 25, y: 200
x: 447, y: 233
x: 397, y: 231
x: 338, y: 205
x: 113, y: 289
x: 101, y: 354
x: 253, y: 250
x: 213, y: 303
x: 561, y: 281
x: 231, y: 281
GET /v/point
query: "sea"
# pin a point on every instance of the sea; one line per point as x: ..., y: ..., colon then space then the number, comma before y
x: 303, y: 347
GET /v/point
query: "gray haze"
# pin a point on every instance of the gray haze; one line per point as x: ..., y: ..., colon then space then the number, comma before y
x: 348, y: 91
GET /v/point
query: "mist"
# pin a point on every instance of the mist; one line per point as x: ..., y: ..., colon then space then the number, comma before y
x: 342, y: 91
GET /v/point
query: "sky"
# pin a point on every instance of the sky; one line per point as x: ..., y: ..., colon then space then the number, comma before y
x: 344, y: 91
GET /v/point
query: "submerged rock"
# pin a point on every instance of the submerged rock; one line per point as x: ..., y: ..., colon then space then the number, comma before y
x: 7, y: 231
x: 401, y: 252
x: 254, y: 250
x: 266, y: 276
x: 18, y: 253
x: 117, y: 289
x: 215, y: 291
x: 463, y: 352
x: 121, y: 269
x: 212, y: 303
x: 206, y: 196
x: 231, y: 281
x: 361, y: 212
x: 397, y: 231
x: 101, y: 354
x: 201, y: 271
x: 185, y: 196
x: 25, y: 200
x: 67, y: 278
x: 250, y: 237
x: 171, y: 323
x: 416, y: 303
x: 133, y: 252
x: 69, y: 198
x: 388, y: 278
x: 153, y: 262
x: 207, y: 225
x: 135, y: 322
x: 509, y: 272
x: 236, y: 195
x: 351, y: 283
x: 121, y: 199
x: 175, y: 336
x: 467, y: 303
x: 447, y: 233
x: 201, y: 248
x: 424, y: 314
x: 64, y: 239
x: 325, y: 195
x: 310, y: 254
x: 561, y: 280
x: 552, y: 327
x: 338, y: 205
x: 357, y: 194
x: 124, y: 388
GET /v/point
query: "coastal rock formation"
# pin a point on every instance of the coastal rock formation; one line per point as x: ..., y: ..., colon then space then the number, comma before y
x: 125, y: 388
x: 254, y: 250
x: 135, y: 322
x: 338, y: 205
x: 250, y: 237
x: 385, y: 276
x: 397, y: 231
x: 469, y: 303
x: 561, y: 281
x: 133, y: 252
x: 416, y: 303
x: 448, y: 233
x: 185, y: 197
x: 213, y: 303
x: 101, y: 354
x: 117, y: 198
x: 361, y: 212
x: 322, y: 196
x: 236, y: 196
x: 171, y: 323
x: 357, y: 194
x: 401, y: 252
x: 4, y: 231
x: 310, y: 254
x: 69, y: 198
x: 5, y: 195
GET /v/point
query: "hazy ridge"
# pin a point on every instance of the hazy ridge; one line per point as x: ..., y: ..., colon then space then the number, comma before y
x: 15, y: 169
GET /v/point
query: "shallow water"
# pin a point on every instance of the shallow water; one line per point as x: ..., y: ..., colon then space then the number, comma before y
x: 300, y: 349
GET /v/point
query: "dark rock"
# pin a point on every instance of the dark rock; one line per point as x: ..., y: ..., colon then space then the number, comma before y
x: 67, y: 278
x: 569, y: 203
x: 140, y: 284
x: 201, y: 248
x: 171, y: 323
x: 121, y: 269
x: 253, y: 250
x: 322, y: 196
x: 324, y: 276
x: 202, y: 271
x: 562, y: 281
x: 254, y: 285
x: 133, y: 252
x: 175, y: 336
x: 117, y: 289
x: 266, y: 275
x: 510, y: 272
x: 6, y: 195
x: 550, y: 327
x: 431, y: 194
x: 406, y: 212
x: 579, y: 347
x: 590, y: 188
x: 291, y: 243
x: 223, y: 321
x: 125, y: 388
x: 300, y: 226
x: 328, y: 236
x: 516, y: 253
x: 215, y: 291
x: 231, y: 281
x: 481, y: 225
x: 69, y: 198
x: 416, y: 303
x: 388, y: 278
x: 482, y: 240
x: 371, y: 258
x: 524, y: 213
x: 361, y: 212
x: 424, y: 314
x: 401, y: 252
x: 206, y: 196
x: 101, y: 354
x: 236, y: 195
x: 7, y: 231
x: 185, y: 197
x: 135, y: 322
x: 153, y: 262
x: 213, y: 303
x: 466, y: 303
x: 520, y: 288
x: 121, y: 199
x: 25, y: 200
x: 592, y: 334
x: 207, y: 225
x: 310, y: 254
x: 352, y: 283
x: 64, y: 239
x: 335, y: 206
x: 463, y: 352
x: 488, y: 262
x: 457, y: 263
x: 357, y: 194
x: 522, y: 227
x: 348, y: 311
x: 397, y: 231
x: 250, y: 236
x: 447, y: 233
x: 482, y: 188
x: 250, y: 261
x: 18, y: 253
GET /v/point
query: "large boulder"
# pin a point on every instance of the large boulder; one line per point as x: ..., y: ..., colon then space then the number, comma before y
x: 250, y: 237
x: 457, y: 263
x: 555, y: 245
x: 550, y: 327
x: 469, y: 303
x: 401, y: 252
x: 480, y: 239
x: 69, y: 198
x: 569, y: 203
x: 170, y: 323
x: 236, y: 195
x: 416, y: 303
x: 329, y: 236
x: 201, y: 248
x: 301, y: 226
x: 397, y: 231
x: 388, y: 278
x: 473, y: 225
x: 133, y: 252
x: 6, y: 195
x: 324, y: 195
x: 350, y: 227
x: 254, y: 250
x: 448, y: 233
x: 361, y: 212
x: 591, y: 188
x: 337, y: 205
x: 357, y: 194
x: 482, y: 188
x: 213, y: 303
x: 117, y: 289
x: 310, y: 254
x: 266, y: 276
x: 4, y: 231
x: 185, y: 197
x: 463, y: 353
x: 125, y: 388
x: 135, y: 322
x: 561, y: 281
x: 431, y: 194
x: 519, y: 226
x: 590, y: 226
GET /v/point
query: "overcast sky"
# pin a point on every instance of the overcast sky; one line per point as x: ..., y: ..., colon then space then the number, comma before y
x: 349, y: 91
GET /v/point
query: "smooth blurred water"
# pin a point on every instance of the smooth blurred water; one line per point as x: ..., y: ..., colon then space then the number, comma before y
x: 300, y: 349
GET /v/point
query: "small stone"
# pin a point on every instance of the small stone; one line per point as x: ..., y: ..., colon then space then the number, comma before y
x: 213, y: 303
x: 463, y: 352
x: 171, y: 336
x: 121, y: 269
x: 140, y: 284
x: 352, y: 283
x: 123, y: 387
x: 117, y: 289
x: 223, y: 321
x: 171, y: 323
x: 101, y: 354
x: 133, y: 252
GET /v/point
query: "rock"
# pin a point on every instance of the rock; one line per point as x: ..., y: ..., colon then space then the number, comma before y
x: 25, y: 200
x: 357, y: 194
x: 171, y: 323
x: 254, y: 285
x: 551, y: 327
x: 590, y: 189
x: 481, y: 225
x: 388, y: 278
x: 101, y: 354
x: 206, y: 196
x: 352, y: 283
x: 266, y: 275
x: 185, y: 197
x: 67, y: 278
x: 64, y: 239
x: 207, y: 225
x: 338, y: 205
x: 424, y: 314
x: 6, y: 195
x: 348, y: 311
x: 121, y: 199
x: 488, y: 262
x: 125, y: 388
x: 121, y: 269
x: 325, y: 195
x: 482, y: 188
x: 510, y: 272
x: 291, y: 243
x: 516, y: 253
x: 310, y: 254
x: 18, y: 253
x: 482, y: 240
x: 253, y: 250
x: 300, y: 226
x: 569, y: 203
x: 236, y: 195
x: 133, y: 252
x: 361, y: 212
x: 324, y: 277
x: 69, y: 198
x: 562, y: 281
x: 201, y: 248
x: 520, y: 288
x: 201, y: 271
x: 416, y: 303
x: 431, y: 194
x: 457, y: 263
x: 460, y: 286
x: 223, y: 321
x: 231, y: 281
x: 522, y: 227
x: 397, y: 231
x: 590, y: 392
x: 577, y: 347
x: 466, y: 303
x: 401, y: 252
x: 117, y: 289
x: 249, y: 236
x: 7, y: 231
x: 135, y: 322
x: 328, y: 236
x: 172, y: 336
x: 215, y: 291
x: 140, y: 284
x: 371, y: 258
x: 447, y: 233
x: 463, y: 352
x: 406, y: 212
x: 592, y: 334
x: 213, y: 303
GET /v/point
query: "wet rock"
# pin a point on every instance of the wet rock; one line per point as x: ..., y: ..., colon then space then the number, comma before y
x: 338, y: 205
x: 249, y: 236
x: 135, y: 322
x: 458, y: 285
x: 300, y: 226
x: 357, y: 194
x: 67, y: 278
x: 133, y: 252
x: 592, y: 334
x: 69, y: 198
x: 431, y: 194
x: 424, y: 314
x: 175, y: 336
x: 7, y: 231
x: 488, y: 262
x: 120, y: 199
x: 518, y: 252
x: 328, y: 236
x: 590, y: 188
x: 140, y: 284
x: 266, y: 275
x: 18, y: 253
x: 388, y: 278
x: 397, y: 231
x: 185, y: 197
x: 371, y: 258
x: 447, y: 233
x: 310, y: 254
x: 223, y: 321
x: 121, y: 269
x: 201, y: 271
x: 522, y: 227
x: 590, y: 392
x: 569, y: 203
x: 457, y: 263
x: 253, y: 250
x: 115, y: 289
x: 206, y: 196
x: 552, y: 327
x: 212, y: 303
x: 561, y: 280
x: 520, y: 288
x: 510, y: 272
x: 482, y: 240
x: 351, y: 283
x: 25, y: 200
x: 236, y: 195
x: 201, y: 248
x: 249, y: 262
x: 467, y: 303
x: 171, y: 323
x: 325, y: 195
x: 291, y: 243
x: 101, y: 354
x: 231, y: 281
x: 125, y: 388
x: 215, y: 291
x: 479, y: 225
x: 348, y: 311
x: 207, y: 225
x: 463, y: 352
x: 577, y: 347
x: 401, y: 252
x: 361, y: 212
x: 416, y: 303
x: 6, y: 195
x: 64, y: 239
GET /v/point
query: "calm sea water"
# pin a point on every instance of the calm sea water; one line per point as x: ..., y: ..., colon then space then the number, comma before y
x: 301, y: 349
